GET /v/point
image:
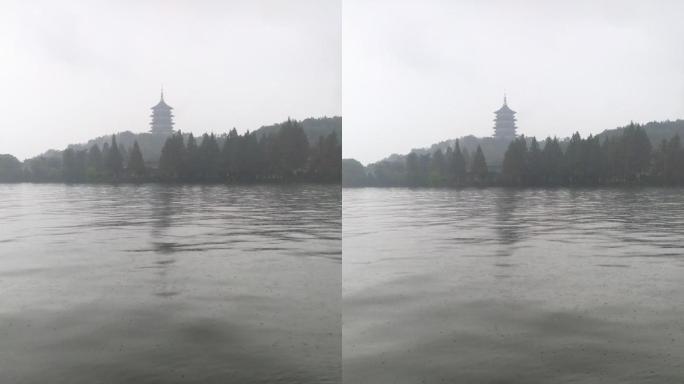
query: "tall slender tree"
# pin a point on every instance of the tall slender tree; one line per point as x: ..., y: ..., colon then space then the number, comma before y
x: 114, y: 161
x: 458, y: 164
x: 136, y: 163
x: 479, y: 168
x: 171, y: 162
x: 293, y: 147
x: 535, y: 163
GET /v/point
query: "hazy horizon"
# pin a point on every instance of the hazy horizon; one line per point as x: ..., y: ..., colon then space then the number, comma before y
x: 82, y: 69
x: 420, y: 73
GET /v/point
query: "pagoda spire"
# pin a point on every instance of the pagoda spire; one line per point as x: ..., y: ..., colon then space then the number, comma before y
x: 162, y: 117
x: 504, y: 123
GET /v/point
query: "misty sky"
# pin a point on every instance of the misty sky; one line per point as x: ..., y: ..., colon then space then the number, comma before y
x: 74, y: 70
x: 419, y: 72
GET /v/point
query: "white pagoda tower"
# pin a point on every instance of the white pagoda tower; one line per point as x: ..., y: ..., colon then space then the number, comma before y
x: 162, y: 118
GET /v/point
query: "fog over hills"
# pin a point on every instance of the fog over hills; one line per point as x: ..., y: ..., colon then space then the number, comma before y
x: 494, y: 149
x: 151, y: 144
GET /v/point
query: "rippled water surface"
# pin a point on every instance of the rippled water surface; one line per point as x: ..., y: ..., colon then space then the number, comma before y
x: 170, y: 284
x: 513, y: 286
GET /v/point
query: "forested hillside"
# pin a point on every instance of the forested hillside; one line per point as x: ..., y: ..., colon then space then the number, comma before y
x: 284, y: 152
x: 651, y: 154
x: 494, y: 149
x: 151, y: 145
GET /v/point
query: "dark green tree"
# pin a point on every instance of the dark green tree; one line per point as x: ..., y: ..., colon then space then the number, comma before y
x: 353, y: 174
x: 113, y: 160
x: 437, y: 170
x: 413, y: 171
x: 10, y: 169
x: 136, y: 163
x: 458, y: 165
x: 572, y: 161
x: 479, y: 169
x: 293, y: 148
x: 94, y: 163
x: 668, y: 163
x: 171, y: 162
x: 535, y: 164
x: 591, y: 161
x: 191, y: 165
x: 552, y: 159
x: 69, y: 164
x: 637, y: 153
x: 326, y: 159
x: 514, y: 167
x: 210, y: 158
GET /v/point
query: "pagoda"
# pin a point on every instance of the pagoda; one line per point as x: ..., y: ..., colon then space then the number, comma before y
x: 162, y: 118
x: 504, y: 123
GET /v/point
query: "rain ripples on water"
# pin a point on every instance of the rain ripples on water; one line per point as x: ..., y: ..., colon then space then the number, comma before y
x: 513, y: 286
x: 172, y: 284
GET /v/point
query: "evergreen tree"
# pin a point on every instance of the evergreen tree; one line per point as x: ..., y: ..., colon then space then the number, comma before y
x: 572, y: 161
x: 69, y: 165
x: 293, y: 147
x: 230, y: 155
x: 467, y: 158
x: 413, y: 172
x: 637, y: 153
x: 136, y: 164
x: 250, y: 154
x: 479, y: 166
x: 535, y: 164
x: 105, y: 154
x: 458, y: 165
x: 209, y: 157
x: 333, y: 157
x: 327, y: 159
x: 74, y: 165
x: 171, y: 162
x: 114, y: 161
x: 668, y: 162
x: 591, y: 160
x: 552, y: 159
x: 514, y: 167
x: 95, y: 163
x: 612, y: 162
x: 10, y: 169
x: 269, y: 146
x: 437, y: 168
x: 191, y: 169
x: 449, y: 177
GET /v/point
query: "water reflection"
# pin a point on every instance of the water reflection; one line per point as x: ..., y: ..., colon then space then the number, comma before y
x: 172, y: 284
x: 507, y: 228
x: 588, y: 288
x: 163, y: 200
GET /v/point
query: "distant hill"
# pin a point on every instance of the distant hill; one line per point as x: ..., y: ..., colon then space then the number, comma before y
x: 313, y: 127
x: 151, y: 144
x: 657, y: 131
x: 494, y: 149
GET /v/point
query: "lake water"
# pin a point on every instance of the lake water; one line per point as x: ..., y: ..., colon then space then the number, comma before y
x: 513, y: 286
x: 170, y: 284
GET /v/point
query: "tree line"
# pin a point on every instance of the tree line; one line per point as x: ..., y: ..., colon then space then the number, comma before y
x: 627, y: 158
x: 285, y: 155
x: 624, y: 159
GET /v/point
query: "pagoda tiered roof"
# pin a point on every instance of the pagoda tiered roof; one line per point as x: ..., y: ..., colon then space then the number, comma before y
x: 504, y: 123
x: 505, y: 110
x: 162, y: 118
x: 162, y: 105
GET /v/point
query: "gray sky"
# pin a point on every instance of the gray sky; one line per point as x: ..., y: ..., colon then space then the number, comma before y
x: 74, y: 70
x: 418, y: 72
